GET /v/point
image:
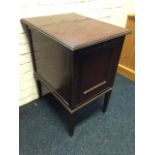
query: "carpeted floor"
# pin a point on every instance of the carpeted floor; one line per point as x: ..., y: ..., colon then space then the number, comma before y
x: 43, y: 126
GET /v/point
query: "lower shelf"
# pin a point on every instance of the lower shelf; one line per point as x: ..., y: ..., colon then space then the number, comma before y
x: 63, y: 101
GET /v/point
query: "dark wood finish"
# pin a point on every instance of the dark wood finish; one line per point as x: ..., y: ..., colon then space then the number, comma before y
x: 75, y: 31
x: 106, y: 101
x: 39, y: 88
x: 75, y: 57
x: 97, y: 67
x: 71, y: 124
x: 53, y: 64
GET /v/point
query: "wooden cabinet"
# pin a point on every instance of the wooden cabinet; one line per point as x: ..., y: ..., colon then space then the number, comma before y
x: 75, y: 57
x: 126, y: 65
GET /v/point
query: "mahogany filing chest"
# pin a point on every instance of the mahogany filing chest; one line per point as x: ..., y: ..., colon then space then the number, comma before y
x: 75, y: 57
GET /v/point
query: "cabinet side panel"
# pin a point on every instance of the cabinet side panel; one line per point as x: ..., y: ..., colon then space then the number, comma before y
x: 53, y: 63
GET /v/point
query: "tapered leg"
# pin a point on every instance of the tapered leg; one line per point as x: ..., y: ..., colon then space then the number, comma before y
x: 71, y: 124
x: 106, y: 101
x: 39, y: 89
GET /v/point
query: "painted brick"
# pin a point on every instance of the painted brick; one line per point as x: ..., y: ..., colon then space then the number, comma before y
x: 23, y: 39
x: 26, y: 84
x: 26, y: 68
x: 23, y: 49
x: 25, y: 76
x: 25, y: 58
x: 28, y: 98
x: 25, y: 93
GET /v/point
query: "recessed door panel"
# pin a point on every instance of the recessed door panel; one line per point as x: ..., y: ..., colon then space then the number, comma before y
x: 94, y: 68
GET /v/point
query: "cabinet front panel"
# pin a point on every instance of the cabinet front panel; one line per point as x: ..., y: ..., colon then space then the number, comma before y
x: 97, y: 68
x: 94, y: 71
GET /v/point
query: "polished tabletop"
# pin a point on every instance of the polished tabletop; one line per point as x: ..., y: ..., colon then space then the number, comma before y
x: 75, y: 31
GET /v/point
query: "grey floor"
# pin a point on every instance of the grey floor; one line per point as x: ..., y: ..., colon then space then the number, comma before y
x: 43, y: 126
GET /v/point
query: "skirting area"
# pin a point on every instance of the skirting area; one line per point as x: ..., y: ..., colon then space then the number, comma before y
x: 43, y: 126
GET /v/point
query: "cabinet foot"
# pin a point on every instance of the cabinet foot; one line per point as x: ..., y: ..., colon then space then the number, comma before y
x: 39, y: 89
x: 71, y: 124
x: 106, y: 101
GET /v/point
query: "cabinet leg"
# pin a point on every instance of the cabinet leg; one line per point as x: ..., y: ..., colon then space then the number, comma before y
x: 71, y: 124
x: 106, y: 101
x: 39, y: 89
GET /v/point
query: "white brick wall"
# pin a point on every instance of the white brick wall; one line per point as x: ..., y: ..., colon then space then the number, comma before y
x: 112, y: 11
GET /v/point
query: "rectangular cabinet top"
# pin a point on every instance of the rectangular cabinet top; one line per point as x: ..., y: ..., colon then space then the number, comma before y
x: 75, y: 31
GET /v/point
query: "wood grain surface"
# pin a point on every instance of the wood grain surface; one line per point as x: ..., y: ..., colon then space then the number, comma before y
x: 126, y: 65
x: 75, y: 31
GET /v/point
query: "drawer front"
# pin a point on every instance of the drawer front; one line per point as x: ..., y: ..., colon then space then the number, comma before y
x: 97, y: 68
